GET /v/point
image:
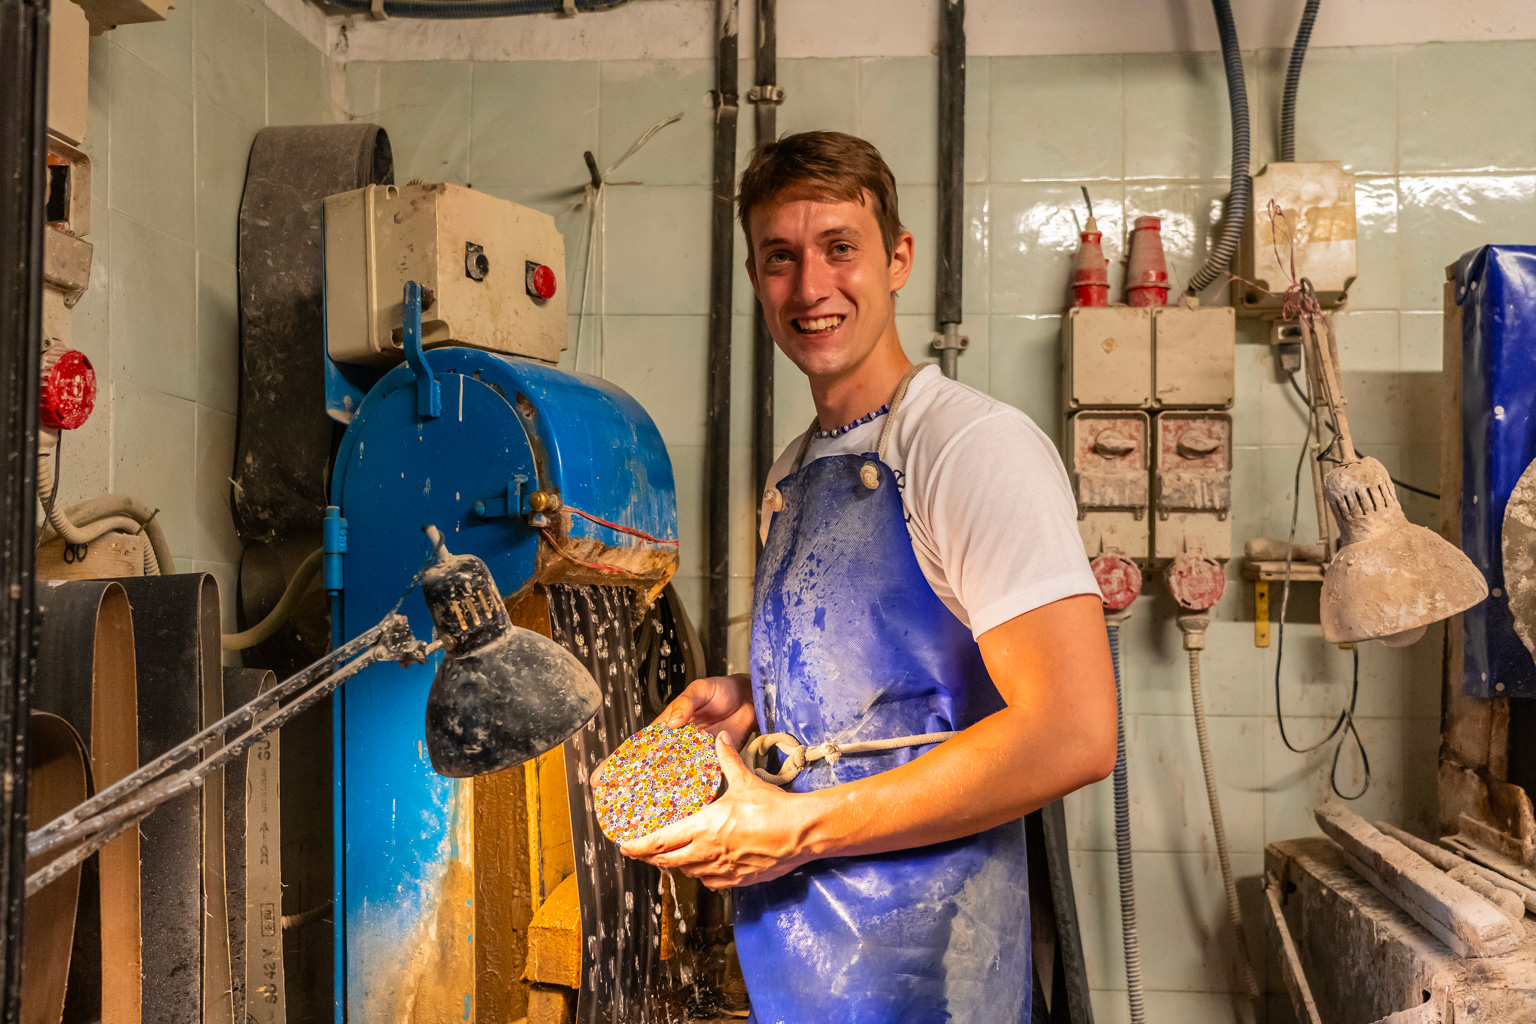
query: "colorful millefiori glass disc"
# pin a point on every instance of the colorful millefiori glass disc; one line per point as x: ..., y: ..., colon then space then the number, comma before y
x: 657, y: 776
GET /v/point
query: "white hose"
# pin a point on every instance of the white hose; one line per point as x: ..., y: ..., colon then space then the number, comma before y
x: 94, y: 529
x: 283, y: 610
x: 1223, y: 854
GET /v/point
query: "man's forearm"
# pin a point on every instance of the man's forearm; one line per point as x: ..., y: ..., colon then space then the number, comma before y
x: 1003, y: 767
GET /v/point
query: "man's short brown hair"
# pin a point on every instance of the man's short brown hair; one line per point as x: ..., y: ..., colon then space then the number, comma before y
x: 831, y: 165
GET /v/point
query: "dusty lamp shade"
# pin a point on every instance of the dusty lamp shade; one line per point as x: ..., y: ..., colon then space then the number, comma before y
x: 503, y: 695
x: 1390, y: 579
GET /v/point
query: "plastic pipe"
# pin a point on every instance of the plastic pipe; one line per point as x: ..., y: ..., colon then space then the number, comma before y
x: 103, y: 506
x: 61, y: 525
x: 951, y: 221
x: 1241, y: 194
x: 476, y: 8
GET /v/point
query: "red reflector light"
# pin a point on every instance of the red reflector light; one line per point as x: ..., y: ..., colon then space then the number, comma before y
x: 69, y: 389
x: 541, y: 281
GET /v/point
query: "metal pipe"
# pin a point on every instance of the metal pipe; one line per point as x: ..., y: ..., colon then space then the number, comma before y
x: 722, y: 269
x: 23, y: 140
x: 765, y: 97
x: 951, y: 247
x: 476, y: 8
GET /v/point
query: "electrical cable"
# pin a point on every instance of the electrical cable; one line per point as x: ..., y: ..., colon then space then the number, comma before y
x: 1241, y: 194
x: 282, y: 611
x: 1129, y: 934
x: 1223, y: 853
x: 1293, y: 82
x: 1346, y: 720
x: 1405, y: 486
x: 621, y: 529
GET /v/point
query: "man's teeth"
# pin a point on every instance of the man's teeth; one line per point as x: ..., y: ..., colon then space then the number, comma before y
x: 820, y: 323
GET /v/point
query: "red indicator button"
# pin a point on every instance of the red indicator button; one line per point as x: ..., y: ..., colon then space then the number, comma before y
x: 69, y: 389
x: 541, y: 281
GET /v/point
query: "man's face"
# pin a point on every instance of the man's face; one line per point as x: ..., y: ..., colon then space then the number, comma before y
x: 820, y: 271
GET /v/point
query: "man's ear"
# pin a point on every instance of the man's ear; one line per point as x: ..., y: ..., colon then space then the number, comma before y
x: 900, y: 264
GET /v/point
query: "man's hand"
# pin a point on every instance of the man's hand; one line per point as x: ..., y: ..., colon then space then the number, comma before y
x: 752, y: 833
x: 720, y: 705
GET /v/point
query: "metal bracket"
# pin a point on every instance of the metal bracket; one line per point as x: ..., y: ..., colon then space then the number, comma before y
x: 943, y: 341
x: 568, y: 9
x: 510, y: 502
x: 377, y: 12
x: 429, y: 395
x: 766, y: 94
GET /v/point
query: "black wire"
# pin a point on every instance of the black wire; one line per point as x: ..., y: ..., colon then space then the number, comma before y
x: 1365, y: 761
x: 1346, y: 721
x: 1358, y: 451
x: 53, y: 492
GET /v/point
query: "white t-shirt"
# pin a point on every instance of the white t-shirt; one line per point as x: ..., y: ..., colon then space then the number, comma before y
x: 988, y: 503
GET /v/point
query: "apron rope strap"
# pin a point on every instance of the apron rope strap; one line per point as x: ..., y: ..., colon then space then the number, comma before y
x: 798, y: 756
x: 885, y: 431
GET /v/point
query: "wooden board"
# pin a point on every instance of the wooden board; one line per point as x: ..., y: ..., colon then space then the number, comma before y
x: 1456, y: 915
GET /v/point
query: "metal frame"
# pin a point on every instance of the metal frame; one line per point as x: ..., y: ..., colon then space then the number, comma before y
x: 23, y: 145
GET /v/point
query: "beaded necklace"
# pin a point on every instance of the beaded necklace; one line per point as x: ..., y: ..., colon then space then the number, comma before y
x: 827, y: 435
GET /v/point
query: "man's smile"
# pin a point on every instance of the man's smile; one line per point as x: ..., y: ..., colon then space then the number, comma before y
x: 819, y: 324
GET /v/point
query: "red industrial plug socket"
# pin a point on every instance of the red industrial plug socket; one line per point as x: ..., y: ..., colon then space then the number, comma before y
x: 69, y: 389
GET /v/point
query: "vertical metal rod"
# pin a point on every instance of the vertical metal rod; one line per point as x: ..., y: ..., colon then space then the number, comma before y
x: 23, y: 123
x: 951, y: 251
x: 766, y: 117
x: 717, y: 454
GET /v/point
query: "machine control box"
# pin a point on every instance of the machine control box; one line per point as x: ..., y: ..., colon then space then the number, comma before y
x: 491, y: 272
x: 1194, y: 356
x: 1108, y: 356
x: 1194, y: 484
x: 1301, y: 222
x: 1109, y: 461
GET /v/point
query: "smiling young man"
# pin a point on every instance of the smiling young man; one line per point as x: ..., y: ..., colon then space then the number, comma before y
x: 921, y: 574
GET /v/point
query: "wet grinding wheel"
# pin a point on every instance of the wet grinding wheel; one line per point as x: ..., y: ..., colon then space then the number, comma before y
x: 656, y: 777
x: 1520, y: 556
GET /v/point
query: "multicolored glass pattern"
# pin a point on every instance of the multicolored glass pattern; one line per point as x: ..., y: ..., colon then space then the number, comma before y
x: 657, y: 776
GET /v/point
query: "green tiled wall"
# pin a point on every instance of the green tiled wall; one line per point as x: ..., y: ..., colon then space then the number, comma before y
x: 1147, y: 133
x: 173, y: 109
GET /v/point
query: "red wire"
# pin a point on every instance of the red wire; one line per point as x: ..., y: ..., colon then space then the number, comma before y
x: 622, y: 529
x: 600, y: 566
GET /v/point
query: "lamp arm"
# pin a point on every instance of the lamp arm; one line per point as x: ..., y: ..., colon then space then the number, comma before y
x: 42, y: 839
x: 137, y: 796
x: 1323, y: 353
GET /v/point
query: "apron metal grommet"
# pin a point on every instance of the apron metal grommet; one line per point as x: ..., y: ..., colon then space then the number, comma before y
x: 774, y: 499
x: 870, y: 474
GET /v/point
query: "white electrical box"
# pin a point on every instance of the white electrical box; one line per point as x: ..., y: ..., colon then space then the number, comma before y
x: 492, y: 272
x: 1108, y: 356
x: 1194, y: 484
x: 1193, y: 356
x: 1107, y: 455
x: 1302, y: 214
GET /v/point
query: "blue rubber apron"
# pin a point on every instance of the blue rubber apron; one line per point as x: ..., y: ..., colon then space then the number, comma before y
x: 850, y: 643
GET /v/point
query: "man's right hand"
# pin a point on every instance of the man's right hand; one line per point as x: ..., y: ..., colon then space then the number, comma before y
x: 717, y: 704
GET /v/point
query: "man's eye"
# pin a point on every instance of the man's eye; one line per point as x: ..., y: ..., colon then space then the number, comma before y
x: 842, y: 248
x: 777, y: 257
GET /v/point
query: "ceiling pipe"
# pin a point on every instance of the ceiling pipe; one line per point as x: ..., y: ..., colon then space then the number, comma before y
x: 765, y: 96
x: 951, y: 261
x: 717, y: 454
x: 449, y: 9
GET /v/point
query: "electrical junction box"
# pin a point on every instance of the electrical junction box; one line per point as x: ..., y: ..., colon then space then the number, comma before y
x: 1107, y: 456
x: 491, y: 272
x: 1194, y: 484
x: 1108, y: 356
x: 1194, y: 358
x: 1303, y: 213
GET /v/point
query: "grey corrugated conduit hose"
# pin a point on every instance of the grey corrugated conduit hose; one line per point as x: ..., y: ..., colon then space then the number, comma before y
x: 1241, y: 194
x: 89, y: 521
x: 1293, y: 82
x: 478, y: 8
x: 1130, y: 936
